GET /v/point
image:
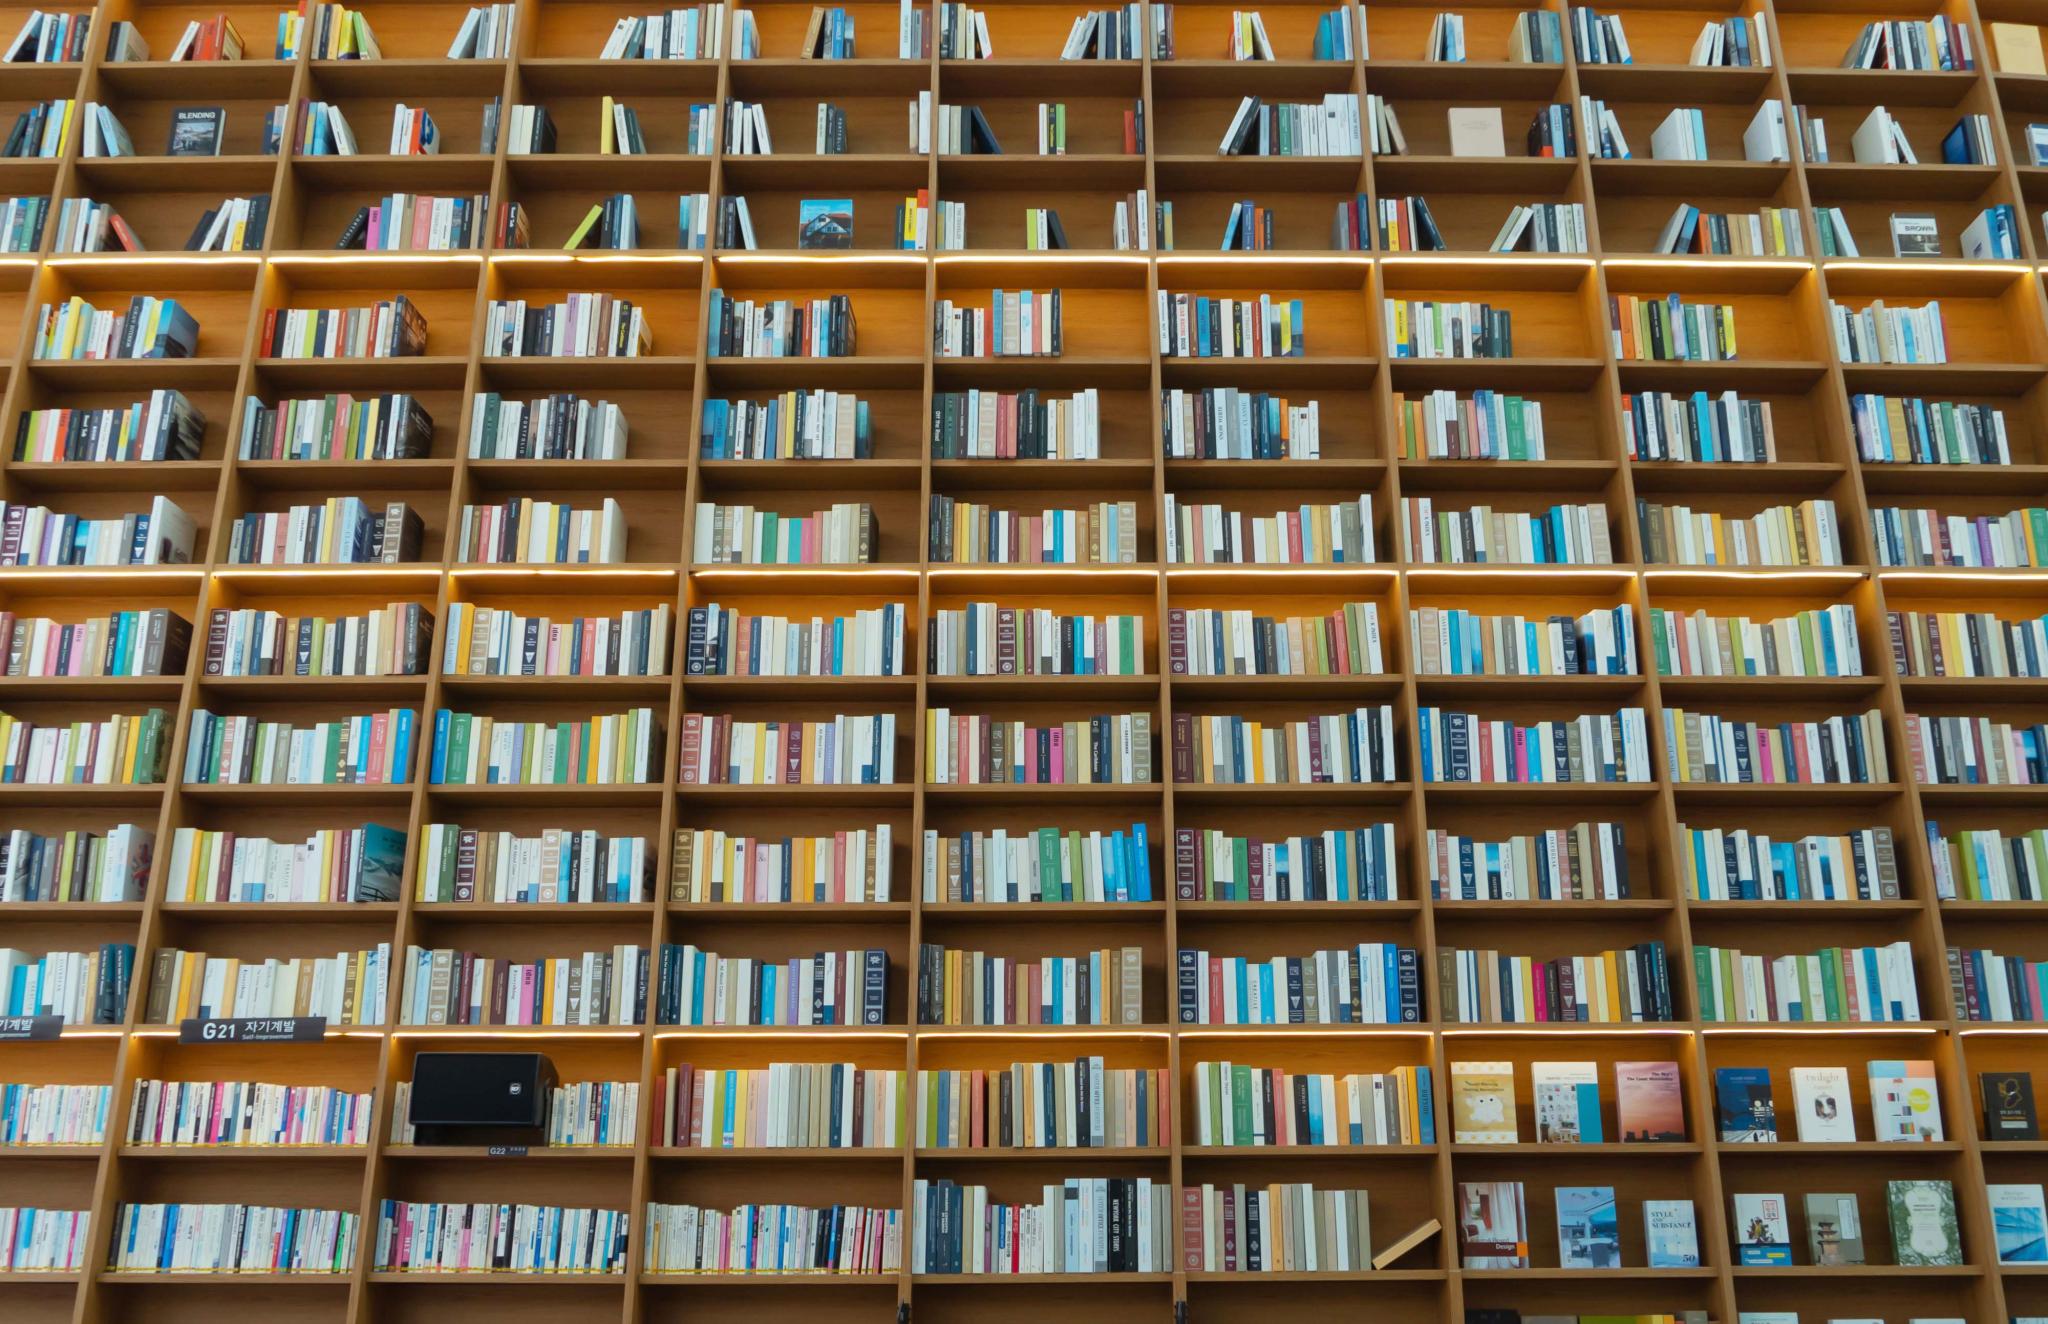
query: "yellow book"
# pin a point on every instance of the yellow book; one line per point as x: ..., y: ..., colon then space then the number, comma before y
x: 2018, y: 46
x: 583, y: 230
x: 607, y: 138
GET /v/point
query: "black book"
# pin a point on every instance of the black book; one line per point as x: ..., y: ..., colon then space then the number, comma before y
x: 1055, y: 231
x: 981, y: 138
x: 199, y: 231
x: 357, y: 229
x: 197, y: 131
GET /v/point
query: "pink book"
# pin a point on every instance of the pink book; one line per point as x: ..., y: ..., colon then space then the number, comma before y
x: 1059, y: 756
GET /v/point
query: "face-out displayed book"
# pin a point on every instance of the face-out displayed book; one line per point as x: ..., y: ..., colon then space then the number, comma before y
x: 1483, y: 1103
x: 1588, y: 1231
x: 1743, y: 1111
x: 1567, y: 1102
x: 1649, y: 1105
x: 1493, y: 1225
x: 1834, y: 1230
x: 1763, y: 1231
x: 2008, y: 1099
x: 1923, y: 1215
x: 2019, y: 1221
x: 1823, y: 1113
x: 1671, y: 1237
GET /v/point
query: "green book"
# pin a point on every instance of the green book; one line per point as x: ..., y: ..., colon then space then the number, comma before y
x: 1518, y: 439
x: 1923, y: 1216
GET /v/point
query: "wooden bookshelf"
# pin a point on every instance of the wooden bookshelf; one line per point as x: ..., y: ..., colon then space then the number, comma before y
x: 1997, y: 324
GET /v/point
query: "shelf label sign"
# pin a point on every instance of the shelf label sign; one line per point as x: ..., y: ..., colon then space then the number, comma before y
x: 253, y: 1030
x: 506, y: 1151
x: 31, y: 1027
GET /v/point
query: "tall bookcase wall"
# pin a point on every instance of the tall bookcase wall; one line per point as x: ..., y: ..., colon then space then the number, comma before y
x: 1146, y: 557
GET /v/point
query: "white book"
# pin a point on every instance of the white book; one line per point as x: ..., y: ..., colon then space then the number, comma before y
x: 1874, y: 142
x: 1674, y: 139
x: 1822, y: 1107
x: 1764, y: 139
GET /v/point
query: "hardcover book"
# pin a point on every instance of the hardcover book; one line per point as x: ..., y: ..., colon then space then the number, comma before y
x: 1915, y: 235
x: 1742, y: 1106
x: 1905, y: 1101
x: 1493, y: 1225
x: 1483, y: 1103
x: 2009, y: 1105
x: 1671, y: 1234
x: 1763, y: 1233
x: 1834, y: 1233
x: 825, y: 223
x: 1822, y: 1111
x: 1567, y: 1102
x: 1649, y: 1103
x: 2019, y: 1217
x: 1923, y: 1215
x: 197, y: 131
x: 1588, y: 1235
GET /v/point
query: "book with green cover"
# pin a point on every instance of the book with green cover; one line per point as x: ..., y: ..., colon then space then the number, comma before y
x: 1923, y: 1215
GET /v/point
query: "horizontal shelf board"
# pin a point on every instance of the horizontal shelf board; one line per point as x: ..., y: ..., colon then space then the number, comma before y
x: 542, y: 1153
x: 472, y: 1277
x: 714, y: 1279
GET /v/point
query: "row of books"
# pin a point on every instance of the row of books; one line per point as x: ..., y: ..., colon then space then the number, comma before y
x: 1699, y: 428
x: 1451, y: 641
x: 1486, y: 987
x: 231, y: 1238
x: 1229, y: 423
x: 344, y: 530
x: 1486, y: 425
x: 580, y: 326
x: 166, y: 426
x: 1441, y: 329
x: 1705, y: 749
x: 384, y: 641
x: 246, y: 1113
x: 737, y: 534
x: 1809, y: 533
x: 710, y: 866
x: 1835, y: 984
x: 980, y: 424
x: 1737, y: 864
x: 719, y: 749
x: 956, y: 986
x: 1373, y: 983
x: 563, y: 426
x: 500, y: 641
x: 774, y: 1239
x: 1208, y: 533
x: 1986, y: 986
x: 615, y: 749
x: 373, y: 749
x: 721, y: 641
x: 784, y: 1105
x: 443, y: 986
x: 1239, y: 1105
x: 1037, y: 865
x: 1584, y: 862
x: 1354, y: 748
x: 348, y: 988
x: 1335, y: 864
x: 1565, y: 534
x: 54, y: 1114
x: 76, y: 865
x: 421, y: 1236
x: 37, y: 535
x: 122, y: 750
x: 331, y: 864
x: 1082, y: 1225
x: 1986, y: 864
x: 1942, y: 643
x: 549, y: 867
x: 795, y: 425
x: 1818, y: 642
x: 152, y: 641
x: 1204, y: 641
x: 1976, y: 751
x: 1922, y: 537
x: 966, y: 532
x: 1287, y: 1227
x: 524, y: 531
x: 1083, y: 1104
x: 1592, y: 747
x: 391, y: 426
x: 583, y: 1114
x: 696, y: 987
x: 987, y: 639
x: 1893, y: 429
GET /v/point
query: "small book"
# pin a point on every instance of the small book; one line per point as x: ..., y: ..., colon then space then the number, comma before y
x: 1476, y: 131
x: 1588, y: 1235
x: 1493, y: 1225
x: 2019, y: 1217
x: 2008, y: 1105
x: 1834, y: 1233
x: 1742, y: 1106
x: 825, y: 223
x: 1402, y: 1245
x: 1905, y: 1101
x: 2037, y: 144
x: 1567, y: 1102
x: 1671, y: 1235
x: 1483, y: 1103
x: 2018, y: 46
x: 1915, y: 234
x: 1923, y: 1214
x: 1822, y: 1111
x: 1763, y: 1233
x: 1649, y: 1103
x: 197, y: 131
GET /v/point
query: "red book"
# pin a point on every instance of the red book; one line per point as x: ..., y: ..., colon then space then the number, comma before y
x: 1191, y: 1228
